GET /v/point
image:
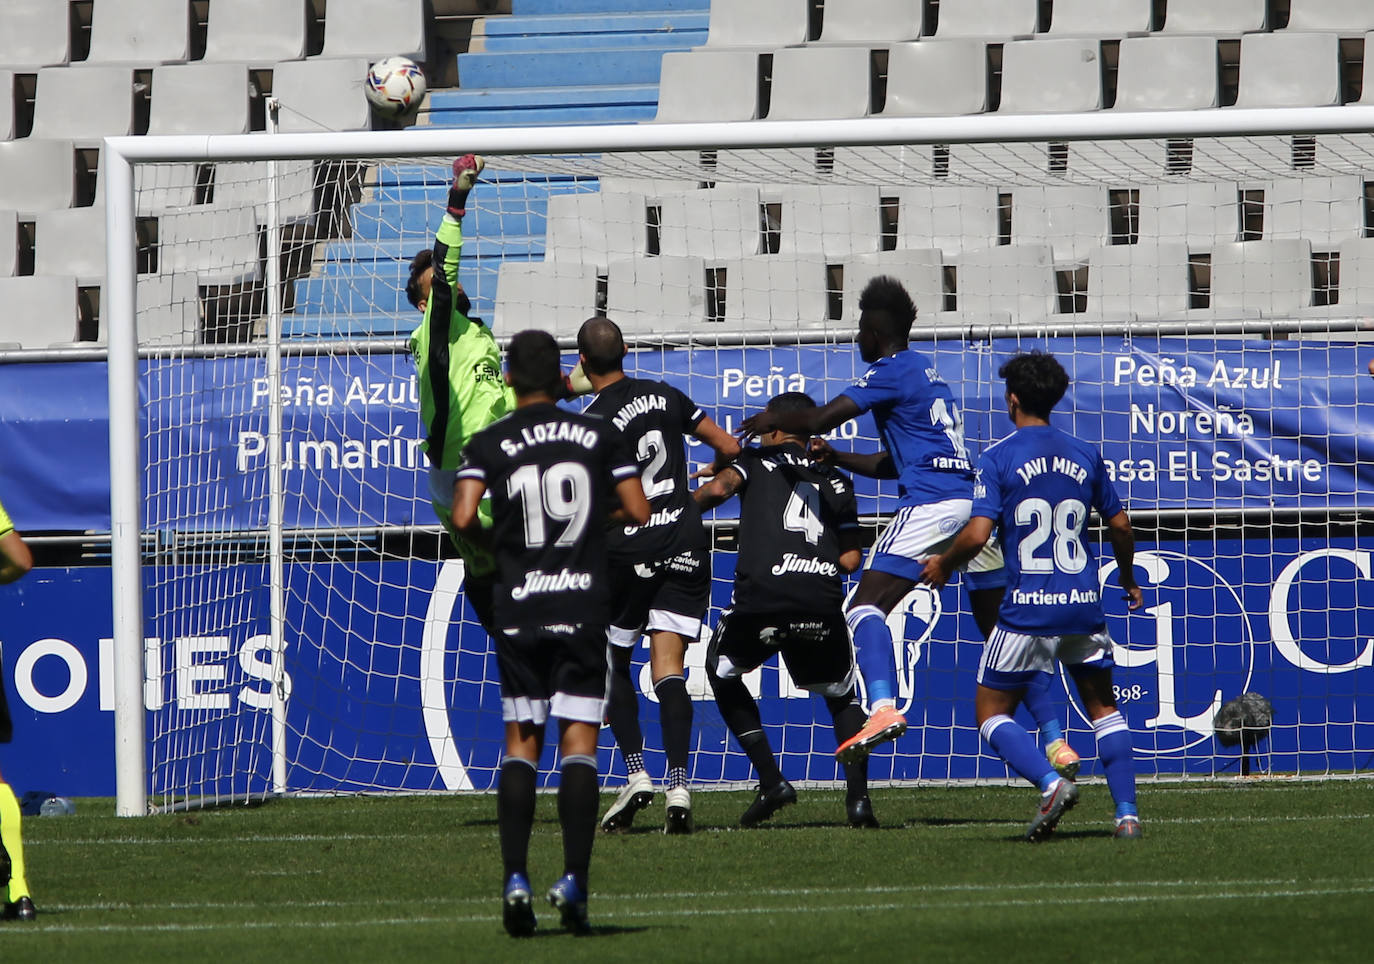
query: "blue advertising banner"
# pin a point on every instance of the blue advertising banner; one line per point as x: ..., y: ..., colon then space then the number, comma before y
x: 389, y: 689
x: 1182, y: 423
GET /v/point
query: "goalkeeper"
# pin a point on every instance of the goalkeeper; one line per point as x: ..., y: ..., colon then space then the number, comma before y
x: 458, y: 368
x: 15, y: 561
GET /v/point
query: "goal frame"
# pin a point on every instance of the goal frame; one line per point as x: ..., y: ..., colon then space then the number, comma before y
x: 122, y: 153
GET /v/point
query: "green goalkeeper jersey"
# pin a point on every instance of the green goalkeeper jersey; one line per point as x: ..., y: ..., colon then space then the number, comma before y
x: 6, y: 526
x: 457, y: 362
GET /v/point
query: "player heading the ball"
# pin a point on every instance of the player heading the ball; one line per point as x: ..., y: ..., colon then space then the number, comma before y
x: 1036, y: 487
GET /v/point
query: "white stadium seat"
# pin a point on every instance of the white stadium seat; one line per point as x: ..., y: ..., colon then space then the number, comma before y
x: 35, y: 34
x: 1017, y: 279
x: 921, y: 272
x: 947, y: 218
x: 1217, y: 18
x: 40, y: 311
x: 1101, y: 18
x: 936, y: 78
x: 1324, y: 210
x: 259, y: 33
x: 1272, y: 277
x: 1197, y: 214
x: 84, y: 106
x: 720, y: 223
x: 168, y: 309
x: 871, y: 21
x: 777, y: 293
x: 987, y: 19
x: 758, y: 23
x: 374, y: 29
x: 1168, y: 73
x: 71, y: 241
x: 321, y: 95
x: 7, y: 119
x: 1051, y: 76
x: 219, y: 246
x: 200, y: 99
x: 1338, y: 16
x: 1072, y: 219
x: 1128, y: 281
x: 140, y: 32
x: 9, y: 243
x: 596, y: 229
x: 37, y: 175
x: 834, y: 221
x: 239, y: 183
x: 656, y: 295
x: 1289, y: 70
x: 708, y: 85
x: 820, y: 83
x: 556, y: 296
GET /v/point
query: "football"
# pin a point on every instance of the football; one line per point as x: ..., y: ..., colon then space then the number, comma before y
x: 395, y: 87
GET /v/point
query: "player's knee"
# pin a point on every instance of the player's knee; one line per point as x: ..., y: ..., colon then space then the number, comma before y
x: 856, y: 614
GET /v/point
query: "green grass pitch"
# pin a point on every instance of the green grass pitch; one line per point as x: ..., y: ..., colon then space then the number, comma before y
x: 1264, y: 871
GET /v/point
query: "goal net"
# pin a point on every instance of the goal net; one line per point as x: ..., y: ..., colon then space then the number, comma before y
x: 304, y: 625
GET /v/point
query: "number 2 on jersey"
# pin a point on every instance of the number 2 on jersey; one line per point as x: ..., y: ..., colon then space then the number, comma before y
x: 561, y: 493
x: 652, y: 453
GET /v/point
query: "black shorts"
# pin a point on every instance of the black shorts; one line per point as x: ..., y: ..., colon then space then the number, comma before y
x: 669, y: 595
x: 553, y: 671
x: 816, y: 648
x: 480, y: 592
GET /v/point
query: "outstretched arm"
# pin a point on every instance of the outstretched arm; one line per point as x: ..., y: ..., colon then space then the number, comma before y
x: 720, y: 489
x: 1122, y: 537
x: 726, y: 446
x: 804, y: 422
x: 971, y: 538
x: 873, y: 465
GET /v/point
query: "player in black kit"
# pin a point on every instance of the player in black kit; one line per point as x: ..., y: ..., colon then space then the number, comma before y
x: 551, y: 474
x: 798, y: 536
x: 662, y: 570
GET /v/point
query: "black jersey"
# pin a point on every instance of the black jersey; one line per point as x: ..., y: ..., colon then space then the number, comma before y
x: 550, y: 473
x: 791, y: 513
x: 654, y: 416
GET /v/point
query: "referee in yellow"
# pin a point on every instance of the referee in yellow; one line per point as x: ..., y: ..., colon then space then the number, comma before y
x: 15, y: 561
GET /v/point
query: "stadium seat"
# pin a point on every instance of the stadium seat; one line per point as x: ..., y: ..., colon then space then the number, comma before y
x: 1168, y: 73
x: 71, y: 241
x: 1197, y: 214
x: 820, y: 83
x: 1217, y: 18
x: 200, y: 99
x: 39, y: 311
x: 1272, y: 277
x: 35, y: 34
x: 1017, y: 279
x: 1128, y: 281
x: 709, y: 85
x: 947, y: 218
x: 321, y: 95
x: 758, y: 23
x: 870, y: 21
x: 654, y: 189
x: 1008, y: 163
x: 987, y: 19
x: 374, y: 29
x: 168, y: 310
x: 936, y: 78
x: 1337, y: 16
x: 920, y: 271
x: 720, y: 223
x: 140, y: 32
x: 240, y: 183
x: 556, y: 296
x: 9, y: 243
x: 1324, y: 210
x: 1357, y: 272
x: 160, y: 187
x: 1072, y: 219
x: 833, y: 221
x: 1101, y: 18
x: 776, y: 293
x: 219, y: 246
x: 84, y: 106
x: 1289, y: 70
x: 1051, y: 76
x: 656, y: 295
x: 596, y: 229
x: 37, y: 175
x: 8, y: 127
x: 1242, y: 158
x: 259, y: 33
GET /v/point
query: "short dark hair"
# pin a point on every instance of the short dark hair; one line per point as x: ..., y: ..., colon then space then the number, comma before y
x: 790, y: 402
x: 1037, y: 380
x: 890, y: 309
x: 422, y: 261
x: 601, y: 343
x: 534, y: 364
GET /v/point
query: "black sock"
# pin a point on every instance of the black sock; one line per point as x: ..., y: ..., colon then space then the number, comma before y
x: 577, y: 801
x: 741, y: 714
x: 755, y: 746
x: 515, y: 812
x: 675, y: 719
x: 622, y: 712
x: 849, y: 719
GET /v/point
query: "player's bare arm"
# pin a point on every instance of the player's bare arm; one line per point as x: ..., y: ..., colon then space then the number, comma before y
x: 726, y: 446
x: 851, y: 549
x: 873, y: 465
x: 1122, y: 537
x: 967, y: 544
x: 804, y: 422
x: 467, y: 497
x: 721, y: 488
x: 15, y: 558
x: 634, y: 505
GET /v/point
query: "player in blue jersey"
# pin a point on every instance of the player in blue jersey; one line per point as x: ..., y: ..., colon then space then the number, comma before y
x: 923, y: 449
x: 1036, y: 488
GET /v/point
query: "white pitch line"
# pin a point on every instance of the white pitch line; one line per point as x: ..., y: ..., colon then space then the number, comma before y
x: 678, y: 913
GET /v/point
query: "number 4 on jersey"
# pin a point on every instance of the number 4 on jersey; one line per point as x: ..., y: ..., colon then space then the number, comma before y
x: 803, y: 512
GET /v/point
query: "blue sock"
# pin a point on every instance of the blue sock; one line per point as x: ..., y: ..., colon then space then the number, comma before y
x: 1012, y: 743
x: 1117, y: 756
x: 873, y: 651
x: 1046, y: 716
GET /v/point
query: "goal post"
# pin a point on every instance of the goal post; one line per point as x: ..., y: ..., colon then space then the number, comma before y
x: 1214, y: 417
